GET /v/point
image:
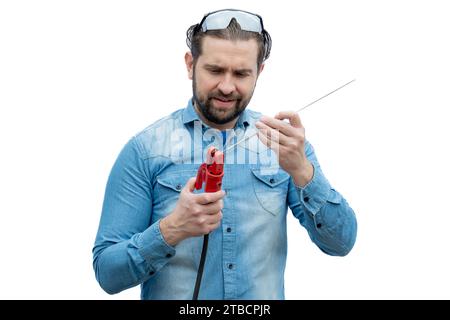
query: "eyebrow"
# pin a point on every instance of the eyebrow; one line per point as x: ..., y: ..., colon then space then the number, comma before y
x: 217, y: 67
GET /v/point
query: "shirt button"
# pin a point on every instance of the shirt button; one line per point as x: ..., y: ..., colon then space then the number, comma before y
x: 152, y: 273
x: 168, y: 255
x: 178, y: 187
x: 306, y: 199
x: 319, y: 225
x: 272, y: 180
x: 230, y: 266
x: 228, y: 229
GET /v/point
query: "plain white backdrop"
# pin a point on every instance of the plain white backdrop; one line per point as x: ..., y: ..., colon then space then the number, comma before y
x: 79, y: 78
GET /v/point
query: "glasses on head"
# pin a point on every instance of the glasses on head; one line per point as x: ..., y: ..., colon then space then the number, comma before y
x: 220, y: 19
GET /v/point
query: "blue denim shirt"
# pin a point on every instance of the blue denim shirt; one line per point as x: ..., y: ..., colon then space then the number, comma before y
x: 246, y: 256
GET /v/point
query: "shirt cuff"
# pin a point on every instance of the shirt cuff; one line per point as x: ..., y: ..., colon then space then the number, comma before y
x: 154, y: 249
x: 315, y: 193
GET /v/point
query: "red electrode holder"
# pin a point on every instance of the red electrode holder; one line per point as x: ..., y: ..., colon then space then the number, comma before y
x: 211, y: 171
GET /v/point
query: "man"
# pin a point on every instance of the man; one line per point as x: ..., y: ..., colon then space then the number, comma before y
x: 153, y: 222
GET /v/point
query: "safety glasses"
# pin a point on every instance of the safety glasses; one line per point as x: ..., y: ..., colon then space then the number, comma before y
x: 221, y: 19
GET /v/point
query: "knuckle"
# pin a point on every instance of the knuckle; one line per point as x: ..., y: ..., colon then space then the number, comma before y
x: 293, y: 143
x: 217, y: 217
x: 185, y: 203
x: 300, y: 135
x: 189, y: 199
x: 190, y: 205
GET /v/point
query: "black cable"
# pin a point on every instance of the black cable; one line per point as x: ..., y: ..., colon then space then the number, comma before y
x: 200, y: 268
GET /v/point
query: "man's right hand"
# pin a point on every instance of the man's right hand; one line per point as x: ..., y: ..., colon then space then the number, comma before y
x: 194, y: 214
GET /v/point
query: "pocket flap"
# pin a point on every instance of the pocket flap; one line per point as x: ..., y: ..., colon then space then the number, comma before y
x: 334, y: 197
x: 174, y: 182
x: 272, y: 180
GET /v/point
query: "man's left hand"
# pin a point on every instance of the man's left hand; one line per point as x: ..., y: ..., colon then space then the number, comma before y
x: 288, y: 141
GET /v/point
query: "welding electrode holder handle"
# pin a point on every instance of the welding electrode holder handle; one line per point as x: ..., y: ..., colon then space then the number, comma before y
x: 209, y: 173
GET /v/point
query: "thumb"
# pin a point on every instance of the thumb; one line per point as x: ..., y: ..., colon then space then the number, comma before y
x: 190, y: 184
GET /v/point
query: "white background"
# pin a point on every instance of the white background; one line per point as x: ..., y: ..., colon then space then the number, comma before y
x: 79, y: 78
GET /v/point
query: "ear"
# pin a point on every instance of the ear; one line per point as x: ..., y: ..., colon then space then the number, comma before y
x: 261, y: 68
x: 189, y: 60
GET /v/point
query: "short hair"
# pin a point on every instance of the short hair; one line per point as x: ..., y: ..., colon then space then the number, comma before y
x: 194, y: 36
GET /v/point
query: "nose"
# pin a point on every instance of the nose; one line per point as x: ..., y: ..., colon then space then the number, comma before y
x: 226, y: 85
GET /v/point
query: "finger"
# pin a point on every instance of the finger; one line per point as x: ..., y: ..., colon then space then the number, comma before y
x: 275, y: 138
x: 268, y: 137
x: 190, y: 184
x: 292, y: 116
x: 280, y: 125
x: 206, y: 220
x: 214, y: 218
x: 272, y: 134
x: 212, y: 208
x: 214, y: 226
x: 208, y: 197
x: 268, y: 143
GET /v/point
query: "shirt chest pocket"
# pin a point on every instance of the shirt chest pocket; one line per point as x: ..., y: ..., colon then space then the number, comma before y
x: 168, y: 188
x: 271, y: 190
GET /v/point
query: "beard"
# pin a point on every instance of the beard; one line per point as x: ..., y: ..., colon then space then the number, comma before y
x: 217, y: 115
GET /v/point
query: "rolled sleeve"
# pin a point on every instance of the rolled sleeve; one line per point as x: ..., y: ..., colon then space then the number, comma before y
x: 314, y: 195
x: 154, y: 249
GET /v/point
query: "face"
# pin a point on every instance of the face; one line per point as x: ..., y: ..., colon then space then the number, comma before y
x: 224, y: 78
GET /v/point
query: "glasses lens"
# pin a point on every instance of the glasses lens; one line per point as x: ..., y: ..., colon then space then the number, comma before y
x: 221, y: 19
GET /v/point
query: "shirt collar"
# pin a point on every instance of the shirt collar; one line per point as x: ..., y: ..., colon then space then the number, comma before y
x: 190, y: 115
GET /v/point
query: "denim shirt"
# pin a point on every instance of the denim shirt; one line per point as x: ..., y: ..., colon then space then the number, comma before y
x: 246, y: 255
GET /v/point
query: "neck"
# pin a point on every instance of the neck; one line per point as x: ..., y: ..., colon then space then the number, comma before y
x: 221, y: 127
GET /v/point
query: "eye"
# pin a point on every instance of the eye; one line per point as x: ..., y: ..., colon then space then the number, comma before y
x: 215, y: 71
x: 240, y: 74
